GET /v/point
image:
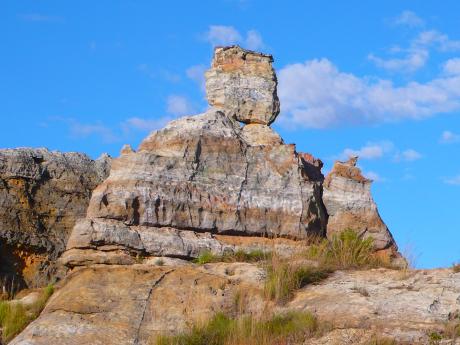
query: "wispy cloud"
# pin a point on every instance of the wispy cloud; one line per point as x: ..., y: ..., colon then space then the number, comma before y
x: 222, y: 35
x: 196, y: 73
x: 416, y: 55
x: 453, y: 180
x: 377, y: 150
x: 38, y: 17
x: 409, y: 155
x: 179, y: 105
x: 408, y: 18
x: 162, y: 73
x: 372, y: 175
x: 145, y: 124
x: 369, y: 151
x: 448, y: 137
x: 316, y: 94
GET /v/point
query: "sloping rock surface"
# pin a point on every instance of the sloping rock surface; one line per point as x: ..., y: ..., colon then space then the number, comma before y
x: 42, y: 194
x: 133, y: 304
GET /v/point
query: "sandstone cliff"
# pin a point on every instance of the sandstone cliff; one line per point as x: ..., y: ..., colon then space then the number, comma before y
x: 42, y: 193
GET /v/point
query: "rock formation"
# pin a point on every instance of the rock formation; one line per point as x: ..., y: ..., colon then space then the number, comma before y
x: 243, y: 84
x: 42, y: 193
x: 209, y: 183
x: 349, y: 204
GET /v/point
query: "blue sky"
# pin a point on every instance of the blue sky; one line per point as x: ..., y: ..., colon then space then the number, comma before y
x: 378, y: 79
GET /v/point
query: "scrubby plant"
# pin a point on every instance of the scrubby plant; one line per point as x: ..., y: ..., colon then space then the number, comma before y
x: 456, y: 267
x: 344, y: 251
x: 159, y: 262
x: 223, y: 330
x: 285, y: 277
x: 240, y: 255
x: 14, y: 316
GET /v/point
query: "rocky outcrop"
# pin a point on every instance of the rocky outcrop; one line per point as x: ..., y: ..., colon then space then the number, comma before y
x: 201, y: 174
x: 243, y: 84
x: 133, y: 304
x: 42, y: 193
x: 349, y: 204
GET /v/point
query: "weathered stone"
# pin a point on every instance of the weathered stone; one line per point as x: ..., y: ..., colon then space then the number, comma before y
x: 133, y: 304
x: 126, y: 149
x: 42, y: 193
x: 257, y: 135
x: 349, y: 204
x: 243, y: 84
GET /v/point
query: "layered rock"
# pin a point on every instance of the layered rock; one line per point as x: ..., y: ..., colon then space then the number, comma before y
x: 42, y: 193
x: 243, y: 84
x: 202, y: 174
x: 349, y: 204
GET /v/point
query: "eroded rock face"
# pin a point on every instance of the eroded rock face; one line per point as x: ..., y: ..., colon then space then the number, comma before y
x: 201, y: 174
x: 349, y: 204
x: 243, y: 84
x: 42, y: 193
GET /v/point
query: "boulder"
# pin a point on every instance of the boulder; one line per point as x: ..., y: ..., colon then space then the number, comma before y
x: 243, y: 83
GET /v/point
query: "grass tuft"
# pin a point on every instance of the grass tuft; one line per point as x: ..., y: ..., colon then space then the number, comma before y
x: 456, y: 267
x: 223, y: 330
x: 285, y: 277
x: 14, y: 317
x: 346, y: 250
x: 239, y: 256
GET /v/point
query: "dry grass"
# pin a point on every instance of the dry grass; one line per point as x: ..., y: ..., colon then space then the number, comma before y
x: 456, y: 267
x: 14, y: 317
x: 288, y: 328
x: 240, y: 255
x: 346, y: 250
x: 284, y: 277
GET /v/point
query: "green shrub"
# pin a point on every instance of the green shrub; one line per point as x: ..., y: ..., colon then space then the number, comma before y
x: 222, y: 330
x: 345, y: 250
x: 206, y: 257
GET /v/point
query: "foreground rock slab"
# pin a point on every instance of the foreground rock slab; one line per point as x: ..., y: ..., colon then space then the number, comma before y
x: 133, y: 304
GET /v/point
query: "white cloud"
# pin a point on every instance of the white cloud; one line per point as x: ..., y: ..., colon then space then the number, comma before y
x: 221, y: 35
x: 179, y: 105
x: 315, y: 94
x: 453, y: 180
x: 196, y: 73
x: 441, y: 41
x: 145, y: 124
x: 408, y: 18
x: 254, y: 40
x: 415, y: 59
x: 418, y: 52
x: 408, y: 155
x: 448, y: 137
x: 452, y: 66
x: 369, y: 151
